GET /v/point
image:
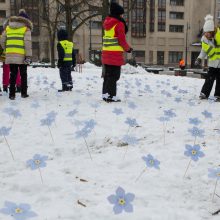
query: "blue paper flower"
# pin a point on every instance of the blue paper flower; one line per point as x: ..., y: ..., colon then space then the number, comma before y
x: 196, y: 132
x: 132, y: 105
x: 35, y: 105
x: 90, y: 124
x: 130, y: 140
x: 4, y: 131
x: 194, y: 121
x: 131, y: 122
x: 151, y: 161
x: 52, y: 115
x: 38, y: 161
x: 16, y: 113
x: 169, y: 113
x: 207, y: 114
x: 193, y: 152
x: 47, y: 121
x: 175, y: 87
x: 84, y: 132
x: 214, y: 173
x: 122, y: 201
x: 72, y: 113
x: 18, y: 212
x: 117, y: 111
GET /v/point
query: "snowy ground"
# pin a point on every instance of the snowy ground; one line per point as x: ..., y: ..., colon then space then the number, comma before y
x: 76, y: 187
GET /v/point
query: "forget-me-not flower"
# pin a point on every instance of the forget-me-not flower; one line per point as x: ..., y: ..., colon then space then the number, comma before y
x: 193, y: 152
x: 38, y: 161
x: 122, y: 201
x: 196, y: 132
x: 151, y: 161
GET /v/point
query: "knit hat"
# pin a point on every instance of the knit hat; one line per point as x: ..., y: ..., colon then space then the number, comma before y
x: 209, y: 24
x: 22, y: 13
x: 62, y: 35
x: 116, y: 9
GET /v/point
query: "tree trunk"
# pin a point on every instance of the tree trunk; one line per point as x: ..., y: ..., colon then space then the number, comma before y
x: 68, y: 19
x: 52, y: 53
x: 105, y: 8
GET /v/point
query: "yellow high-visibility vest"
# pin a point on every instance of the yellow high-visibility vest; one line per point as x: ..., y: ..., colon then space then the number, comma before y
x: 110, y: 43
x: 217, y: 42
x: 210, y: 51
x: 68, y: 49
x: 15, y: 40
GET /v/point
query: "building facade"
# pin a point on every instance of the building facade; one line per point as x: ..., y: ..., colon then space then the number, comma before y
x: 160, y: 31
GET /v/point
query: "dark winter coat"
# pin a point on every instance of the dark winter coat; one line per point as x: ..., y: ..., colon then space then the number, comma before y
x: 62, y: 35
x: 115, y: 58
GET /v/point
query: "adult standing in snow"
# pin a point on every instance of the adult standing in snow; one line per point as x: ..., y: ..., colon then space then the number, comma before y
x: 114, y: 45
x: 211, y: 49
x: 16, y: 41
x: 66, y: 60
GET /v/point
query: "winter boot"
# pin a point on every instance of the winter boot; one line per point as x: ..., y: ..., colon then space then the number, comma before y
x: 24, y: 95
x: 203, y: 96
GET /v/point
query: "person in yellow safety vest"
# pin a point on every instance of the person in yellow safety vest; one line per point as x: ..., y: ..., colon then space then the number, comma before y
x: 211, y: 50
x: 66, y: 60
x: 114, y: 46
x: 17, y: 43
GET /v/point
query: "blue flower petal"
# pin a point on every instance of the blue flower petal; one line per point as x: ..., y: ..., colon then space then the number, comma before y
x: 30, y: 214
x: 120, y: 192
x: 5, y: 211
x: 129, y: 197
x: 112, y: 199
x: 117, y: 209
x: 128, y: 208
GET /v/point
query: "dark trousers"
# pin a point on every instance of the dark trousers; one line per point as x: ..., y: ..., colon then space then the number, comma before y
x: 213, y: 74
x: 65, y: 76
x: 13, y: 77
x: 111, y: 75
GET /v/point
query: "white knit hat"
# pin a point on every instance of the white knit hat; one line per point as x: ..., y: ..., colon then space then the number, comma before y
x: 209, y: 24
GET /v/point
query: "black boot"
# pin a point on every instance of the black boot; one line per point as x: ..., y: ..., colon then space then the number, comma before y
x: 24, y: 92
x: 64, y: 88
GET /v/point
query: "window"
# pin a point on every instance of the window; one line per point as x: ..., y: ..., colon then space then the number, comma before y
x: 2, y: 14
x: 176, y: 28
x: 176, y: 15
x: 2, y: 1
x: 160, y: 57
x: 139, y: 55
x: 138, y: 19
x: 177, y: 2
x: 126, y: 9
x: 175, y: 56
x: 162, y: 15
x: 96, y: 24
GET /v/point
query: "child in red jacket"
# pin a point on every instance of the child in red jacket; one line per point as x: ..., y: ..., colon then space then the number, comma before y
x: 114, y: 46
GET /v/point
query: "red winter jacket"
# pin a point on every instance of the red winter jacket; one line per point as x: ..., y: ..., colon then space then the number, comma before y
x: 115, y: 58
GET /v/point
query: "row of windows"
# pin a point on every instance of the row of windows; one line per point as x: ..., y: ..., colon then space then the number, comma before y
x: 174, y: 56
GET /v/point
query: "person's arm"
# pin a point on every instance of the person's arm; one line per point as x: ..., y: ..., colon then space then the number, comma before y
x: 61, y: 54
x: 3, y: 40
x: 28, y: 44
x: 120, y: 32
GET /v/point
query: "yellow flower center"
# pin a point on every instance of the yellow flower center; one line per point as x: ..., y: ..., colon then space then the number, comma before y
x: 37, y: 162
x: 121, y: 201
x: 18, y: 210
x: 194, y: 152
x: 151, y: 162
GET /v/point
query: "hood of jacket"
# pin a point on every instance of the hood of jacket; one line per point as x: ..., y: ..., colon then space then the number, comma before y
x: 18, y: 21
x: 110, y: 22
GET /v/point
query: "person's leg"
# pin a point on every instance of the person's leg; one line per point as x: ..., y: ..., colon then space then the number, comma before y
x: 217, y: 86
x: 63, y: 78
x: 13, y: 75
x: 112, y: 78
x: 5, y: 77
x: 23, y: 74
x: 18, y: 82
x: 209, y: 81
x: 69, y: 78
x: 104, y: 76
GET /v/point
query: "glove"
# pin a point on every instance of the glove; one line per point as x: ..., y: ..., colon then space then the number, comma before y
x: 27, y: 60
x: 130, y: 50
x: 198, y: 62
